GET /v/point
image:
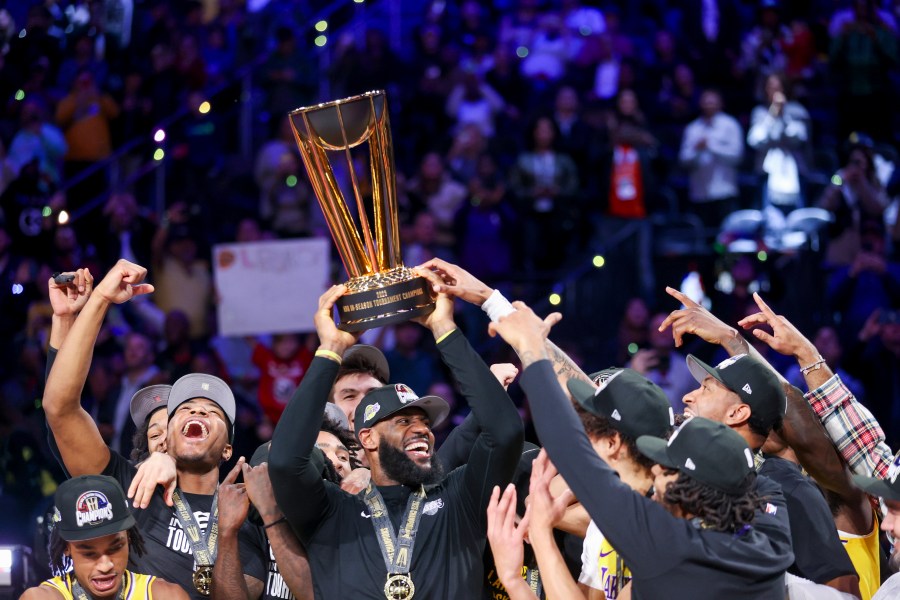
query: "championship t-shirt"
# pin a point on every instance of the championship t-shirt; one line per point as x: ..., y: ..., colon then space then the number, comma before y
x: 167, y: 550
x: 275, y: 587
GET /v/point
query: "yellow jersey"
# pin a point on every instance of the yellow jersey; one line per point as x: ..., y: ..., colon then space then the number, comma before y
x: 136, y: 586
x: 866, y: 558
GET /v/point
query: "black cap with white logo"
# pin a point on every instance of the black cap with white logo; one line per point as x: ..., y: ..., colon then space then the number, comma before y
x: 380, y: 403
x: 754, y: 383
x: 710, y: 452
x: 632, y: 403
x: 91, y: 506
x: 889, y: 489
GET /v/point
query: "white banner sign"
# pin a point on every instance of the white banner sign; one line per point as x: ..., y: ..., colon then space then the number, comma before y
x: 270, y: 287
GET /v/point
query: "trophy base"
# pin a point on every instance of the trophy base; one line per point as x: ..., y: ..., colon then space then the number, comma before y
x: 383, y: 299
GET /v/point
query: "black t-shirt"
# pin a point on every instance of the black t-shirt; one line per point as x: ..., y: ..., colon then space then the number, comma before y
x: 275, y: 587
x: 167, y: 551
x: 344, y: 555
x: 818, y: 553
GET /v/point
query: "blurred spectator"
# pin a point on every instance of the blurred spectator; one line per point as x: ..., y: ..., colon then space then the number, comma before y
x: 632, y: 333
x: 183, y: 279
x: 710, y: 33
x: 189, y: 63
x: 218, y: 56
x: 855, y: 196
x: 863, y: 52
x: 711, y: 149
x: 663, y: 365
x: 575, y: 137
x: 518, y: 30
x: 762, y: 49
x: 549, y: 52
x: 129, y: 233
x: 139, y: 371
x: 633, y: 149
x: 162, y: 86
x: 606, y: 75
x: 421, y: 244
x: 281, y: 369
x: 40, y: 141
x: 469, y: 144
x: 800, y: 51
x: 174, y: 360
x: 474, y: 102
x: 545, y: 183
x: 134, y: 118
x: 412, y: 361
x: 435, y: 191
x: 82, y: 59
x: 780, y: 136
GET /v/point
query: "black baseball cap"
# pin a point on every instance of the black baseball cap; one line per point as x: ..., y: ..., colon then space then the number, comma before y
x: 91, y: 506
x: 201, y: 385
x: 630, y: 402
x: 366, y: 354
x: 710, y: 452
x: 147, y: 400
x: 889, y: 489
x: 380, y: 403
x: 522, y: 476
x: 754, y: 383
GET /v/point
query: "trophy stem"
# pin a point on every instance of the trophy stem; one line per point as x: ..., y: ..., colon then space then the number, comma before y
x: 363, y: 218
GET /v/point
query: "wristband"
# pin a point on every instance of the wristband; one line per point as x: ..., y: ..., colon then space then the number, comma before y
x: 275, y: 522
x: 330, y: 355
x: 813, y: 367
x: 497, y: 306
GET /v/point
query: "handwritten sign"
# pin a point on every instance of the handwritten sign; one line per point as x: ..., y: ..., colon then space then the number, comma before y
x: 270, y: 287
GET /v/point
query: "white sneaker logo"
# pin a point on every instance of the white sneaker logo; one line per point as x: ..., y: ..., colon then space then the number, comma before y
x: 747, y: 389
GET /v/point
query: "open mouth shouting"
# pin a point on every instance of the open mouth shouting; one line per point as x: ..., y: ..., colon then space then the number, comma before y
x: 195, y: 429
x: 104, y: 583
x: 418, y: 449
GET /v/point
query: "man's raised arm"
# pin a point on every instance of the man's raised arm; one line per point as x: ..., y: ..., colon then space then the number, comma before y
x: 82, y: 449
x: 299, y: 488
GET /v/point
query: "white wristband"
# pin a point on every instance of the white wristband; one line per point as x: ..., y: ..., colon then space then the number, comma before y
x: 497, y: 306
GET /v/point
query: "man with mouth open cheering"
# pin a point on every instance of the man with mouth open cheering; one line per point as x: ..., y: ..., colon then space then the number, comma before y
x: 414, y: 530
x: 178, y: 526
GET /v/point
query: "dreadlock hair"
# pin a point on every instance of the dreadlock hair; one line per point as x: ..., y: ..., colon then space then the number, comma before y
x: 718, y: 510
x: 60, y: 562
x: 599, y: 428
x: 345, y: 436
x: 140, y: 447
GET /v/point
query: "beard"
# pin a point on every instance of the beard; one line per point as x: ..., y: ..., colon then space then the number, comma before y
x: 401, y: 468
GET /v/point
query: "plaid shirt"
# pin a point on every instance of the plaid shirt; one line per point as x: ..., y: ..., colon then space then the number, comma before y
x: 853, y: 429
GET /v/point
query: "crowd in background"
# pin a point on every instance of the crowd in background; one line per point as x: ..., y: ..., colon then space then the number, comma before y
x: 523, y: 131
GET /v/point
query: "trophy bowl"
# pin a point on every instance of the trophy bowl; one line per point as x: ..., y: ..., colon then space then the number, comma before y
x: 381, y: 290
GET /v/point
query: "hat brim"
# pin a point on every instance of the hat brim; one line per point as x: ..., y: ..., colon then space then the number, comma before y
x: 582, y: 392
x: 700, y: 370
x: 91, y: 533
x: 656, y: 449
x: 876, y: 487
x: 435, y: 407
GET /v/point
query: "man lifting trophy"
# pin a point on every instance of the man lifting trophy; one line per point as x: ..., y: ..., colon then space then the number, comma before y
x: 381, y: 289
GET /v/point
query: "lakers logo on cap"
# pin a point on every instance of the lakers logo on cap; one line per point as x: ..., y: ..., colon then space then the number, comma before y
x: 91, y: 508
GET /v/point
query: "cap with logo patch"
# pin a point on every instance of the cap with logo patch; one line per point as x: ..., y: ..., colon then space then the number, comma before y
x: 632, y: 403
x: 201, y: 385
x: 754, y: 383
x: 91, y: 506
x: 147, y: 400
x: 710, y: 452
x: 889, y: 489
x: 369, y: 356
x: 380, y: 403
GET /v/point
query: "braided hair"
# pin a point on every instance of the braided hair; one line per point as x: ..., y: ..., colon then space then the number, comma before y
x: 716, y: 509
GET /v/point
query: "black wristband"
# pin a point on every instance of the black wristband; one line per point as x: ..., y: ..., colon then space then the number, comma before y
x: 275, y: 522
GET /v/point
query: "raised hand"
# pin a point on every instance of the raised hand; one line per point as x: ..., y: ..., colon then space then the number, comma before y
x: 356, y: 481
x: 456, y: 281
x: 259, y: 490
x: 330, y: 337
x: 784, y: 339
x: 440, y: 320
x: 504, y: 535
x: 523, y: 328
x: 695, y: 319
x: 67, y: 299
x: 546, y: 510
x: 505, y: 373
x: 123, y: 283
x: 158, y: 469
x: 232, y: 500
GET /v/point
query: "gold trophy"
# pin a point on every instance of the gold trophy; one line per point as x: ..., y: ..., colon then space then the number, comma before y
x: 381, y: 290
